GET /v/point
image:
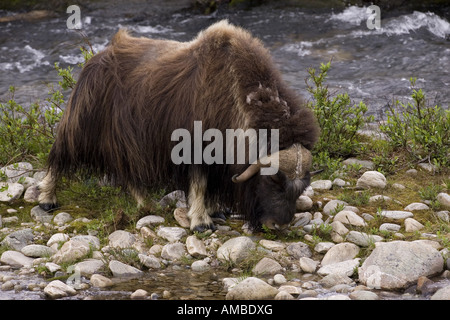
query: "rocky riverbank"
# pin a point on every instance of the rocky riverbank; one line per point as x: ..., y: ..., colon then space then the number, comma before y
x: 363, y: 236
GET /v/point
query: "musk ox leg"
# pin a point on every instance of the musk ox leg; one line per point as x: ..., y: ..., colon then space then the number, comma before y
x: 138, y: 196
x: 47, y: 198
x: 198, y: 213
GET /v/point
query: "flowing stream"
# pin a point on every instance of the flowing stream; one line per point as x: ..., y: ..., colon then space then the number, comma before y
x: 371, y: 65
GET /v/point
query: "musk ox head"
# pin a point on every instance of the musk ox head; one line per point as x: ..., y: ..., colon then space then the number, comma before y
x: 274, y: 196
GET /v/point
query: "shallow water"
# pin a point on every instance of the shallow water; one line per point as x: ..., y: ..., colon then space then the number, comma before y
x: 371, y: 65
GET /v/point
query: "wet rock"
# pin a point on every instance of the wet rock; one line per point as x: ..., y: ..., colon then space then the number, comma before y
x: 58, y: 289
x: 298, y: 250
x: 196, y: 247
x: 236, y: 249
x: 89, y: 266
x: 150, y: 220
x: 251, y: 289
x: 139, y: 294
x: 122, y: 270
x: 15, y: 259
x: 37, y: 251
x: 334, y: 279
x: 308, y: 265
x: 173, y: 251
x: 398, y: 264
x: 363, y: 295
x: 172, y: 234
x: 121, y: 239
x: 371, y: 179
x: 444, y: 199
x: 200, y: 266
x: 267, y: 266
x: 97, y: 280
x: 350, y: 217
x: 10, y: 191
x: 150, y: 261
x: 340, y: 252
x: 346, y: 267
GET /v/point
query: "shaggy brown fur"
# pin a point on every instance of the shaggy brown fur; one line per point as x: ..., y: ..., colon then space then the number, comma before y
x: 130, y: 98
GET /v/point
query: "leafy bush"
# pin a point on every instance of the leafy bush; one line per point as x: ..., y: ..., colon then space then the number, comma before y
x: 27, y: 133
x: 423, y: 131
x: 338, y: 119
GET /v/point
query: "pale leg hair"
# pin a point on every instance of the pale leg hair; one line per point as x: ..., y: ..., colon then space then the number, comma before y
x: 47, y: 187
x: 138, y: 196
x: 198, y: 213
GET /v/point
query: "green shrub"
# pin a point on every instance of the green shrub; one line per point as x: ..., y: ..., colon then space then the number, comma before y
x: 339, y: 121
x: 421, y: 130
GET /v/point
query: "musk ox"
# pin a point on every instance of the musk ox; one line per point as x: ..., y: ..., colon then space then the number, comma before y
x: 130, y: 98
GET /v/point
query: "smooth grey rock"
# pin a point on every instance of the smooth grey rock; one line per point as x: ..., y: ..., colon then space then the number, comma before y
x: 122, y: 270
x: 172, y: 234
x: 396, y: 214
x: 251, y: 288
x: 322, y: 185
x: 37, y: 251
x: 71, y: 251
x: 362, y: 239
x: 15, y: 259
x: 363, y: 295
x: 17, y: 170
x: 10, y: 191
x: 173, y: 251
x: 196, y: 247
x: 303, y: 203
x: 177, y: 197
x: 200, y: 266
x: 442, y: 294
x: 91, y: 241
x: 391, y: 227
x: 62, y: 218
x: 334, y: 279
x: 121, y: 239
x: 350, y: 217
x: 150, y: 261
x: 308, y: 265
x: 371, y: 179
x: 302, y: 219
x: 58, y: 289
x: 150, y: 220
x: 31, y: 194
x: 444, y: 199
x: 298, y: 250
x: 97, y: 280
x: 57, y: 238
x: 416, y: 206
x: 340, y: 252
x: 331, y: 206
x: 40, y: 215
x: 18, y: 239
x: 90, y: 266
x: 412, y: 225
x: 346, y: 267
x: 236, y: 249
x: 267, y: 266
x: 398, y: 264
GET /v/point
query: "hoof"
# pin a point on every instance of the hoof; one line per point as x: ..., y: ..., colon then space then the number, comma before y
x: 204, y: 227
x: 219, y: 215
x: 48, y: 207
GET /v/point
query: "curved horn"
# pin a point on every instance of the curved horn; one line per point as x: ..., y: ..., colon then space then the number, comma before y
x: 294, y: 162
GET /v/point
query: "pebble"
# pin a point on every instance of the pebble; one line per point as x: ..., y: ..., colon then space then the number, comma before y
x: 267, y: 266
x: 150, y: 220
x: 371, y: 179
x: 236, y: 249
x: 396, y: 214
x: 340, y: 252
x: 97, y: 280
x: 350, y: 218
x: 139, y: 294
x: 122, y: 270
x: 252, y: 288
x: 444, y: 199
x: 172, y: 234
x: 58, y: 289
